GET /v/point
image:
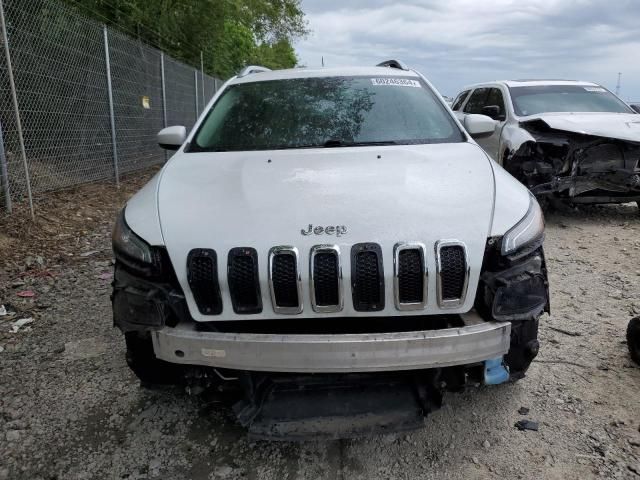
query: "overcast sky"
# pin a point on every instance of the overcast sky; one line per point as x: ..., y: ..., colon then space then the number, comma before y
x: 458, y: 42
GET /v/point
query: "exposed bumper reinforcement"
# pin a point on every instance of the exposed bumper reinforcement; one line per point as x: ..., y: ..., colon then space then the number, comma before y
x: 476, y: 342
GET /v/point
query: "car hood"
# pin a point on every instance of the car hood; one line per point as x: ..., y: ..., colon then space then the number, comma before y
x: 384, y: 195
x: 623, y: 126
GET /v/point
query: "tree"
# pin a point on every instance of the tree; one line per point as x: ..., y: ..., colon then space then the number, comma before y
x: 230, y: 33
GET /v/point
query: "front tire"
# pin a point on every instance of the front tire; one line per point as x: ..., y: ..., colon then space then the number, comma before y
x: 633, y: 339
x: 143, y: 362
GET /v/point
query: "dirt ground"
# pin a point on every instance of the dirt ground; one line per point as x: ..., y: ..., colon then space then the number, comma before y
x: 70, y: 408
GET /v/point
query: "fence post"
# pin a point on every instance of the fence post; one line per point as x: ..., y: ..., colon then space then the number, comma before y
x: 195, y: 79
x: 164, y: 97
x: 14, y: 97
x: 4, y: 174
x: 112, y: 119
x: 164, y: 91
x: 204, y: 98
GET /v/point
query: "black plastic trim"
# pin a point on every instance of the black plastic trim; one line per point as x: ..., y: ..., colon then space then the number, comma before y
x: 356, y: 283
x: 243, y: 306
x: 208, y: 298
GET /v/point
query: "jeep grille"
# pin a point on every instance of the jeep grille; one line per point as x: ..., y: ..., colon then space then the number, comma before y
x: 410, y: 278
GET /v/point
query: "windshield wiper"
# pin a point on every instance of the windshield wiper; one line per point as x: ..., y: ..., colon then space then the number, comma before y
x: 340, y: 143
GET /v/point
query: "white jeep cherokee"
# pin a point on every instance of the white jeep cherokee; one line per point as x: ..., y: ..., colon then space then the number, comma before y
x: 333, y: 245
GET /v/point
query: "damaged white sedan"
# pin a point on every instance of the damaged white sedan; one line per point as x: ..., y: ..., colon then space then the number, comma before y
x: 566, y: 139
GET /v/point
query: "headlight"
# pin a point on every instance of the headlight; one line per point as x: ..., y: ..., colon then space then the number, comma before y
x: 527, y: 231
x: 128, y: 247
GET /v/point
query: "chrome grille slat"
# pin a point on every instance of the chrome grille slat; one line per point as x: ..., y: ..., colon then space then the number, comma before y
x: 452, y: 265
x: 285, y: 282
x: 367, y: 277
x: 325, y: 279
x: 410, y: 276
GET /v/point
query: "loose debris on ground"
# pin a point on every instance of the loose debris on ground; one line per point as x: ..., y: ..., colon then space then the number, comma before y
x: 70, y: 408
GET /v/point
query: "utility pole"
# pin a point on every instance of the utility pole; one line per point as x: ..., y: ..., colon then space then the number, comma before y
x: 618, y: 85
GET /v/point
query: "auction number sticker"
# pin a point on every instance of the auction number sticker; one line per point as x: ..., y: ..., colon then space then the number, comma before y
x: 396, y: 82
x: 595, y: 89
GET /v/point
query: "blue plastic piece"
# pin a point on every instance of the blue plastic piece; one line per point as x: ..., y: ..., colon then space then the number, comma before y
x: 495, y: 371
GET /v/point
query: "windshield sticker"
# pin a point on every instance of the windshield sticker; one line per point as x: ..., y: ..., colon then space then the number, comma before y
x: 595, y: 89
x: 396, y: 82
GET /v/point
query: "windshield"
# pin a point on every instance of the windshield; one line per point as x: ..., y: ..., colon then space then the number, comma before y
x: 565, y: 98
x: 325, y: 112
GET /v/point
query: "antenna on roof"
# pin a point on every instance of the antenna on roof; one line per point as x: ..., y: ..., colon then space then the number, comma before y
x: 323, y: 60
x: 618, y: 85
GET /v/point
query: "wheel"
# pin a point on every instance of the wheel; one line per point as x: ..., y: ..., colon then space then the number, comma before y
x: 633, y: 339
x: 143, y: 362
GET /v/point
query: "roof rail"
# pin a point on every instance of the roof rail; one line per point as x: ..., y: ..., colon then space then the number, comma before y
x: 252, y: 69
x: 394, y: 64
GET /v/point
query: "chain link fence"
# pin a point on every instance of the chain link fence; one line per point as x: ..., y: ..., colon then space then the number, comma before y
x: 90, y: 100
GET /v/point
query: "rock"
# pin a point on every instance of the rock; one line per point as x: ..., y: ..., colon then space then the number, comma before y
x: 526, y: 425
x: 523, y: 410
x: 475, y: 460
x: 13, y: 435
x: 486, y: 444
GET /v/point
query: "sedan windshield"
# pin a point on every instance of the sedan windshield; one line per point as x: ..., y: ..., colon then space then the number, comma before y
x: 565, y: 98
x: 325, y: 112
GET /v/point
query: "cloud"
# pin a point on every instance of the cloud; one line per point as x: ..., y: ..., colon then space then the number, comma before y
x: 458, y: 42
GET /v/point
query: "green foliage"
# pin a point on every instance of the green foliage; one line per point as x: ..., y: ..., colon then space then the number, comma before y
x: 230, y: 33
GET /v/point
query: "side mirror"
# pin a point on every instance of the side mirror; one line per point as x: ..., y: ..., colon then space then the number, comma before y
x: 479, y: 126
x: 492, y: 111
x: 172, y: 138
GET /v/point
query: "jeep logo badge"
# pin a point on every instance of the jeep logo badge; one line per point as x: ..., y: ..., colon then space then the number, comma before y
x: 338, y: 230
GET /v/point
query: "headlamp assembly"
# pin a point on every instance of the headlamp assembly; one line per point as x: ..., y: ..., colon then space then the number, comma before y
x: 527, y: 232
x: 133, y: 251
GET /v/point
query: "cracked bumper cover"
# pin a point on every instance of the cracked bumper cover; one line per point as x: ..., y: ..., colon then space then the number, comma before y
x: 333, y: 352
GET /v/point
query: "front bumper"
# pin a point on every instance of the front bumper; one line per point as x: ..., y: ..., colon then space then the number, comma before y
x: 476, y: 342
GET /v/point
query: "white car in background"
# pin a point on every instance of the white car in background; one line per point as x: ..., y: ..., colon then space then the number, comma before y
x: 334, y: 246
x: 569, y: 139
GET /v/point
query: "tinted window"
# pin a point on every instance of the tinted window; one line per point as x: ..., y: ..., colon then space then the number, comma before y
x: 495, y: 98
x: 477, y: 101
x: 565, y: 98
x: 331, y: 111
x: 457, y: 103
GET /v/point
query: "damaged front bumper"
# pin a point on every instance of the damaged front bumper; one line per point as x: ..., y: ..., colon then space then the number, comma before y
x: 476, y: 342
x: 579, y: 167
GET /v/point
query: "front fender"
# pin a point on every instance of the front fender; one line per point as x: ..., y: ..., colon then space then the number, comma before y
x: 141, y: 213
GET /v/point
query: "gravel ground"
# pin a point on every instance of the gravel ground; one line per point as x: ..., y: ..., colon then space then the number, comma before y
x: 70, y: 408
